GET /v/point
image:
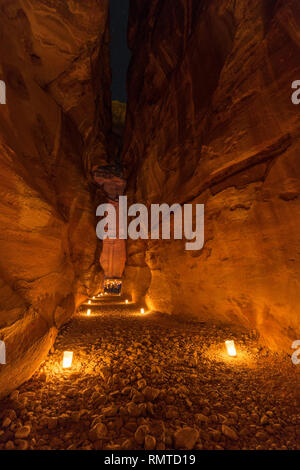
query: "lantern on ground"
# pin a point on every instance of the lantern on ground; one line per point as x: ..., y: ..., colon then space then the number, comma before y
x: 89, y: 302
x: 126, y: 301
x: 142, y: 311
x: 94, y: 298
x: 230, y: 346
x: 89, y: 312
x: 67, y: 359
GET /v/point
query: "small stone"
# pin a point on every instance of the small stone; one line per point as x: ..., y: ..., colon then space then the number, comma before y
x: 126, y: 390
x: 199, y: 446
x: 188, y: 402
x: 14, y: 395
x: 160, y: 446
x: 128, y: 444
x: 200, y: 418
x: 11, y: 414
x: 141, y: 384
x: 23, y: 432
x: 150, y: 443
x: 131, y: 426
x: 6, y: 422
x: 171, y: 412
x: 228, y: 432
x: 233, y: 415
x: 52, y: 423
x: 134, y: 410
x: 98, y: 445
x: 140, y: 434
x: 264, y: 420
x: 150, y: 408
x: 215, y: 435
x: 10, y: 445
x: 186, y: 438
x: 151, y: 393
x: 261, y: 435
x: 138, y: 397
x: 98, y: 432
x: 110, y: 411
x: 72, y: 447
x: 21, y: 444
x: 43, y: 377
x: 170, y: 399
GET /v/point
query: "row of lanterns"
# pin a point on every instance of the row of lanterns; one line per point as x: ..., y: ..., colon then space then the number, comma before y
x: 68, y: 355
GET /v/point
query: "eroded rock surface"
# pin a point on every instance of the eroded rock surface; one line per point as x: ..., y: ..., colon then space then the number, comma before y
x: 210, y: 120
x: 53, y: 59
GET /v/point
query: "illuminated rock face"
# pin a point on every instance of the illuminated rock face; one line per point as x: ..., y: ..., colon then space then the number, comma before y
x: 50, y: 57
x: 113, y: 254
x: 210, y: 120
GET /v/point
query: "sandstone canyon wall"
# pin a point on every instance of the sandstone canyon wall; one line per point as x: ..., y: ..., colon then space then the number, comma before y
x: 210, y: 120
x: 54, y: 58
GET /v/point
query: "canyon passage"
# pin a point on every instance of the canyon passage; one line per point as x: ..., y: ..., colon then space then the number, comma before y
x: 121, y: 344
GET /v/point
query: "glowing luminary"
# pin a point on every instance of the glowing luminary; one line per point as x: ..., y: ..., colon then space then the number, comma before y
x: 88, y: 312
x: 101, y: 294
x: 230, y: 348
x: 94, y: 298
x: 89, y: 302
x: 67, y: 360
x: 142, y: 311
x: 126, y: 301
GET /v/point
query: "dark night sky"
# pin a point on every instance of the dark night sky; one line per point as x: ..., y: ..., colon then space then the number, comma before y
x: 120, y: 54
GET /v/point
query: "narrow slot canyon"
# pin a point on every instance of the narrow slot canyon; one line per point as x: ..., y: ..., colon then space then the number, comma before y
x: 117, y: 340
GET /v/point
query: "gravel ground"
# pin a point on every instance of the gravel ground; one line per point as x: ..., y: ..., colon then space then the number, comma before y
x: 154, y: 382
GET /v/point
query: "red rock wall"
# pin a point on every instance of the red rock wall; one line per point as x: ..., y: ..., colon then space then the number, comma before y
x: 210, y: 120
x: 54, y: 60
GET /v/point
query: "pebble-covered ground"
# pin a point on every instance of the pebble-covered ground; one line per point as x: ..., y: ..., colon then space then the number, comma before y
x: 153, y: 382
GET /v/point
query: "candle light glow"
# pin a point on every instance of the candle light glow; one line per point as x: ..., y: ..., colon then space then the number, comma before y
x: 230, y: 346
x: 67, y: 359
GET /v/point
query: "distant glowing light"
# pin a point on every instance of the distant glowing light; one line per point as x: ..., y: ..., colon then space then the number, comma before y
x: 230, y: 346
x: 142, y: 311
x: 89, y: 302
x: 101, y: 294
x: 88, y: 312
x: 67, y: 360
x: 126, y: 301
x: 94, y: 298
